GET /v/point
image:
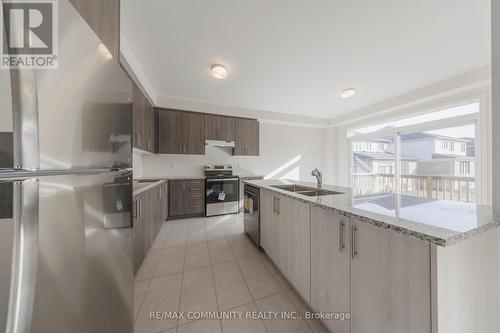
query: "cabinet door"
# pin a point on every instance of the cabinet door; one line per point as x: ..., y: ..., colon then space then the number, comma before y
x: 163, y: 204
x: 390, y: 281
x: 165, y: 201
x: 180, y: 132
x: 176, y: 200
x: 157, y: 210
x: 246, y: 137
x: 330, y: 270
x: 138, y: 118
x: 147, y: 218
x: 267, y: 221
x: 170, y: 132
x: 294, y: 217
x: 194, y: 197
x: 193, y: 125
x: 219, y: 128
x: 138, y: 234
x: 149, y: 125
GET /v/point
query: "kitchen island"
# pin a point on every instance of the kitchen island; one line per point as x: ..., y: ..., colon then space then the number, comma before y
x: 395, y: 263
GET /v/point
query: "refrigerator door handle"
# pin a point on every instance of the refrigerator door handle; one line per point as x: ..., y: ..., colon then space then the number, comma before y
x: 25, y: 119
x: 24, y: 257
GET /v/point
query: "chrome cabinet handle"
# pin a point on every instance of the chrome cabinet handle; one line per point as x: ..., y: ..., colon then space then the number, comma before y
x: 279, y: 206
x: 24, y: 257
x: 274, y: 204
x: 341, y: 236
x: 354, y: 250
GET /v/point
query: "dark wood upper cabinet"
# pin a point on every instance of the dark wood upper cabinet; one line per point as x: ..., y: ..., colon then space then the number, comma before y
x: 219, y: 128
x: 143, y: 122
x: 180, y: 132
x: 246, y: 137
x: 103, y: 16
x: 194, y: 123
x: 184, y: 132
x: 149, y: 126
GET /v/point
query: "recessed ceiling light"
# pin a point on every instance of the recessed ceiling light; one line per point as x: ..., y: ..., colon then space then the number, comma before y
x: 219, y: 71
x: 349, y: 92
x: 105, y: 52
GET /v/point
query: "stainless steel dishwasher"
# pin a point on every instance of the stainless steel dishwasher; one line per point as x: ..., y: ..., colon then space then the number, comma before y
x: 252, y: 213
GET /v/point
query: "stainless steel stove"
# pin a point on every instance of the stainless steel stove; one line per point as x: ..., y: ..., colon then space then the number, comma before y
x: 222, y: 190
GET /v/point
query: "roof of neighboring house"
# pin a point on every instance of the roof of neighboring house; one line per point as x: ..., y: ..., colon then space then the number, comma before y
x: 382, y: 156
x: 419, y: 136
x: 451, y: 157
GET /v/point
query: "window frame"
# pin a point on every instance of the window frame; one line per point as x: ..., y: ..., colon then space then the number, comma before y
x: 478, y: 119
x: 464, y: 167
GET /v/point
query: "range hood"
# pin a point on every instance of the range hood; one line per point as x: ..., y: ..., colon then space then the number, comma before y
x: 219, y: 143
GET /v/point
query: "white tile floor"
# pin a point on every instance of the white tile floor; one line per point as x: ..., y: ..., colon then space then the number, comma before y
x: 209, y: 264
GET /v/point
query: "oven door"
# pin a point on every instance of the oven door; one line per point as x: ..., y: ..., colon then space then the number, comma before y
x: 219, y: 190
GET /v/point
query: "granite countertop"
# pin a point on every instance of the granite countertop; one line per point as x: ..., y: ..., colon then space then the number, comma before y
x: 139, y: 187
x: 440, y: 222
x: 167, y: 178
x: 242, y: 177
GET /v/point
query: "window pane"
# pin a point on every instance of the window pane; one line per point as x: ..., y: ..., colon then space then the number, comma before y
x: 373, y: 166
x: 438, y: 115
x: 439, y: 164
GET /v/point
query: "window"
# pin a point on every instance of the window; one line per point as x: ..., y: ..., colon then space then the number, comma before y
x: 405, y: 167
x: 464, y: 167
x: 429, y: 166
x: 458, y: 111
x: 373, y: 172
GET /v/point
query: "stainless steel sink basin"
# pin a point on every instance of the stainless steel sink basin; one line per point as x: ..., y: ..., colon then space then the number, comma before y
x: 293, y: 188
x: 319, y: 193
x: 305, y: 190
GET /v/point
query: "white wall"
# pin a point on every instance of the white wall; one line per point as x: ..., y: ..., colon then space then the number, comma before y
x: 330, y: 156
x: 287, y: 152
x: 496, y: 103
x: 137, y: 164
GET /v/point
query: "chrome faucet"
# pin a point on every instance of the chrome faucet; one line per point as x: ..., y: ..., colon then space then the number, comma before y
x: 316, y: 173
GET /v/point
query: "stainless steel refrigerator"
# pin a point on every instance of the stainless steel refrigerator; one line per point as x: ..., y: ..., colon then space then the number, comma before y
x: 66, y: 261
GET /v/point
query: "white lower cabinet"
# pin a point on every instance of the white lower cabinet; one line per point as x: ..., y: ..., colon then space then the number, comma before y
x: 285, y: 236
x: 390, y: 281
x: 330, y: 271
x: 295, y: 244
x: 267, y: 222
x: 341, y: 265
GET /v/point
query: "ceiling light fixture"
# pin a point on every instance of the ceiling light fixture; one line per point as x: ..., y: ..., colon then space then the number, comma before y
x: 349, y: 92
x: 105, y: 52
x: 219, y: 71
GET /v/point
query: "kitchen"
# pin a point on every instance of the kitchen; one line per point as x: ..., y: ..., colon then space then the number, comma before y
x: 319, y: 199
x: 258, y: 166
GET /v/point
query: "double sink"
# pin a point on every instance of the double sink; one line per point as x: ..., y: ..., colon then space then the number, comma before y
x: 305, y: 190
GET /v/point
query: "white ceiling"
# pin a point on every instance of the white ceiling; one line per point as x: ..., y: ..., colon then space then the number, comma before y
x: 296, y: 56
